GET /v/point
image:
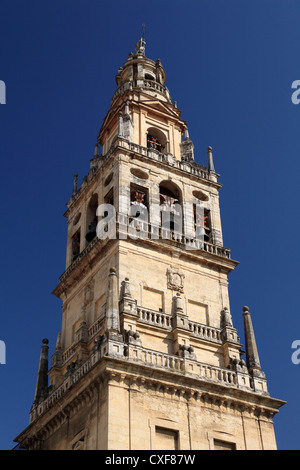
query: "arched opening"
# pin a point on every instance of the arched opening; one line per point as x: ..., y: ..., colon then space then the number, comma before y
x: 202, y: 222
x: 157, y: 140
x: 171, y: 206
x: 148, y: 76
x: 138, y: 212
x: 91, y: 218
x: 75, y: 245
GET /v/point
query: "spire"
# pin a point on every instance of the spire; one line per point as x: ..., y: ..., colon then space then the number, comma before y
x: 252, y: 358
x: 58, y: 341
x: 112, y: 304
x: 42, y: 378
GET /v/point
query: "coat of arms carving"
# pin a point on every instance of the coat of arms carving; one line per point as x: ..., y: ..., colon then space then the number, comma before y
x: 175, y: 280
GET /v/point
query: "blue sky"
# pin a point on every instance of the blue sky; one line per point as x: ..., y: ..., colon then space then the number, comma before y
x: 229, y: 66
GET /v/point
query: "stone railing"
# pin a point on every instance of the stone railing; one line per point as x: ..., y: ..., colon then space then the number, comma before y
x: 154, y: 359
x: 125, y: 225
x: 152, y: 317
x: 164, y: 320
x: 204, y: 331
x: 141, y: 83
x: 95, y: 327
x: 177, y: 364
x: 68, y: 382
x: 156, y: 86
x: 68, y: 353
x: 155, y: 232
x: 168, y: 159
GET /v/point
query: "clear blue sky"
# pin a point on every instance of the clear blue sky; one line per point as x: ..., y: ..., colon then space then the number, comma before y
x: 230, y: 65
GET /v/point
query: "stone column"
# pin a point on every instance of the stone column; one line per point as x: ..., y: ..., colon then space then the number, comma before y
x: 112, y: 304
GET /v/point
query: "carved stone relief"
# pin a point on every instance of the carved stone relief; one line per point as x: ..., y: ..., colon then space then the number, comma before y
x: 175, y: 280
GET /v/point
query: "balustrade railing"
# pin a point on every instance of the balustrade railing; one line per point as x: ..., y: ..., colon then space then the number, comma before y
x: 175, y: 363
x: 153, y: 317
x: 168, y: 159
x: 95, y: 327
x: 129, y: 85
x: 204, y: 331
x: 154, y: 359
x: 136, y: 228
x: 68, y: 353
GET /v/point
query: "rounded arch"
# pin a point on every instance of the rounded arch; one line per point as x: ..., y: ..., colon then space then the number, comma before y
x: 91, y: 218
x: 157, y: 140
x: 170, y: 196
x: 170, y: 189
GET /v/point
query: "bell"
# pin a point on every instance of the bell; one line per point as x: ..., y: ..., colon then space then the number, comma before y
x: 92, y: 231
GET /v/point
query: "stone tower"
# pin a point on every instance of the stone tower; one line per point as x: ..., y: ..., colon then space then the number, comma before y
x: 148, y: 357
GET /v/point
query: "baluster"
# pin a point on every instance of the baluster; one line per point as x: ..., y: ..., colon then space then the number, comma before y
x: 151, y: 357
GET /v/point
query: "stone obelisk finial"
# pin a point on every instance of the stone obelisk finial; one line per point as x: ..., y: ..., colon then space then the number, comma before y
x: 252, y: 358
x: 42, y: 378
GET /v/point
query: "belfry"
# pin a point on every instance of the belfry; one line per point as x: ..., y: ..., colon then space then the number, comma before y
x: 148, y: 357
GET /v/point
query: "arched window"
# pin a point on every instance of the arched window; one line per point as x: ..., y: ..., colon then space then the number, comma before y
x: 138, y: 212
x: 170, y: 206
x: 91, y: 218
x: 202, y: 222
x: 202, y: 218
x: 157, y: 140
x: 75, y: 245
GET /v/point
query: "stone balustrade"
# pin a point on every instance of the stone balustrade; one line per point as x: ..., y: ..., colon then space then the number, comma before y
x: 152, y: 317
x: 204, y: 331
x: 151, y: 358
x: 156, y: 232
x: 164, y: 320
x: 68, y: 382
x: 95, y: 327
x: 68, y: 353
x: 141, y: 83
x: 177, y: 364
x: 197, y: 170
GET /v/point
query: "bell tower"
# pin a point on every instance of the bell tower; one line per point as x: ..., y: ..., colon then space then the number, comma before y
x: 148, y: 357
